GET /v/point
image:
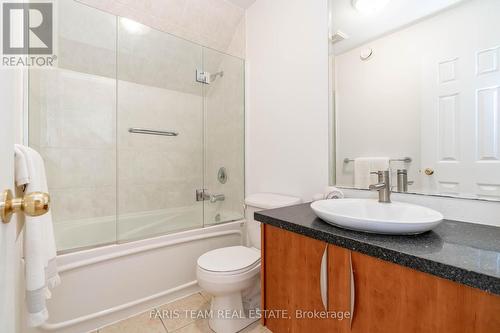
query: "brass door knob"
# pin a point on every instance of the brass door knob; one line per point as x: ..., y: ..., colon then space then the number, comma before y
x: 429, y: 171
x: 32, y: 204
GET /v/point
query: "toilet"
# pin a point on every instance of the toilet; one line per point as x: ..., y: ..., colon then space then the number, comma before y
x: 232, y: 274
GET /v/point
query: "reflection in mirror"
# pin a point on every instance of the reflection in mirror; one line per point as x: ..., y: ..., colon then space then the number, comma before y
x: 417, y: 91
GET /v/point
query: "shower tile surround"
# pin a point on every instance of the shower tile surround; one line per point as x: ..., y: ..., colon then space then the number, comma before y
x: 82, y: 137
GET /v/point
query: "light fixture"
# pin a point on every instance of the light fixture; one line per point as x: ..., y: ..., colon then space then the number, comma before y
x: 369, y: 7
x: 133, y: 26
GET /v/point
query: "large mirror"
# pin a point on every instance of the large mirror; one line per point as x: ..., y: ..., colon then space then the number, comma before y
x: 416, y: 90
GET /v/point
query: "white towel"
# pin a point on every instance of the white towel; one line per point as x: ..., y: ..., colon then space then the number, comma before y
x: 39, y: 244
x: 332, y: 192
x: 363, y: 166
x: 22, y: 173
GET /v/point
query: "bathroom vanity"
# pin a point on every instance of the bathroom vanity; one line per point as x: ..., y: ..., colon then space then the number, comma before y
x: 445, y: 280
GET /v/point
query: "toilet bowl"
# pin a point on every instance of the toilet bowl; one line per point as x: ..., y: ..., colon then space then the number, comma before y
x: 232, y: 274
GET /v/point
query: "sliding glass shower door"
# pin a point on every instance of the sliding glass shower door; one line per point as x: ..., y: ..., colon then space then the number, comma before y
x: 160, y: 132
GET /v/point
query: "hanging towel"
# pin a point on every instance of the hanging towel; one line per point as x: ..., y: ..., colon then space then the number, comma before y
x: 332, y: 192
x: 39, y: 244
x: 363, y: 166
x: 21, y: 172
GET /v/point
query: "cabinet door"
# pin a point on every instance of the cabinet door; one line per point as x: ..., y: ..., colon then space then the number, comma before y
x: 392, y: 299
x: 292, y: 276
x: 340, y: 289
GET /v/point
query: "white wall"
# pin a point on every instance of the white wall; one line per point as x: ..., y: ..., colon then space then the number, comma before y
x: 11, y: 109
x: 287, y: 97
x: 386, y: 120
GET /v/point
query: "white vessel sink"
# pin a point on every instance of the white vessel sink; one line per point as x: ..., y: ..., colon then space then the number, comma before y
x: 369, y: 215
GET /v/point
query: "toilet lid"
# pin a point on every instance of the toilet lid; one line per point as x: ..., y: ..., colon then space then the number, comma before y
x: 271, y: 200
x: 228, y: 259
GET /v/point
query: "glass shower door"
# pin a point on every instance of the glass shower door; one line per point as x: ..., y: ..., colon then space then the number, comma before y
x: 159, y: 132
x: 224, y: 137
x: 72, y: 124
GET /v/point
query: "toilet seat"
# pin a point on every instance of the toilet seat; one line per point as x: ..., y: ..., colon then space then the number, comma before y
x: 231, y: 260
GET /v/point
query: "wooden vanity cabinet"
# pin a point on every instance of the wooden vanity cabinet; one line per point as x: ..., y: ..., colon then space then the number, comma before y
x: 384, y: 297
x: 291, y: 279
x: 393, y: 298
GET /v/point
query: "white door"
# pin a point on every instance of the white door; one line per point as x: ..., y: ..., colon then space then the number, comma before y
x: 461, y: 113
x: 10, y: 108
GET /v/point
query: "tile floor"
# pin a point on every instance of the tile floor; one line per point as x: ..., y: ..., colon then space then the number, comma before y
x: 145, y: 323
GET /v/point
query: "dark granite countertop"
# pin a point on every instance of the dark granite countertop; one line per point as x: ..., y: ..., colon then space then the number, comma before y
x: 462, y: 252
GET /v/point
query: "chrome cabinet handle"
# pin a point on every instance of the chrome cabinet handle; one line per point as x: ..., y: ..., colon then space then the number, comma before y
x: 323, y: 278
x: 353, y: 289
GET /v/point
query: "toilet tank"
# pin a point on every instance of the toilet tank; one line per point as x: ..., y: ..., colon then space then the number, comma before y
x: 262, y: 201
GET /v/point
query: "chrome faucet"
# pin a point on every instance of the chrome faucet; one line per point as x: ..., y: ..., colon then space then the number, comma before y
x: 202, y: 195
x: 383, y: 186
x: 216, y: 197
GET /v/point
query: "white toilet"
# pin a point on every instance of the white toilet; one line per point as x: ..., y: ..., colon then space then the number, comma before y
x: 232, y: 274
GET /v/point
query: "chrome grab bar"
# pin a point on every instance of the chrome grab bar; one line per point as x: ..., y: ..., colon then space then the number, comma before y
x: 152, y: 132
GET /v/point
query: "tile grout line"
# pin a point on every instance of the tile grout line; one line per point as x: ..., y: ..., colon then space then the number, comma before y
x: 189, y: 323
x: 157, y: 309
x: 206, y: 299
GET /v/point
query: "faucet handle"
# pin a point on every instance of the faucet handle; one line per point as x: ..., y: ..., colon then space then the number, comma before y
x: 379, y: 173
x: 383, y: 175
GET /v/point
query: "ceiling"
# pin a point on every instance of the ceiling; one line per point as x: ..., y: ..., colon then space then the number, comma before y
x: 398, y: 13
x: 242, y: 3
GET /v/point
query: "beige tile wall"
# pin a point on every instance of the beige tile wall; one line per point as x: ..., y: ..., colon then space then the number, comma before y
x: 72, y: 123
x: 158, y: 172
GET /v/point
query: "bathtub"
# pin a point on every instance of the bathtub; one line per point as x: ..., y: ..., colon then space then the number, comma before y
x: 84, y: 233
x: 103, y: 285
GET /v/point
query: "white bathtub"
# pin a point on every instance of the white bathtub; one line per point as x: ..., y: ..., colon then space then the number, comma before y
x: 107, y: 284
x: 75, y: 234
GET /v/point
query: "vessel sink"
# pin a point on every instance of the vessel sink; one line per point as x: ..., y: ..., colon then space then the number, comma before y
x: 369, y: 215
